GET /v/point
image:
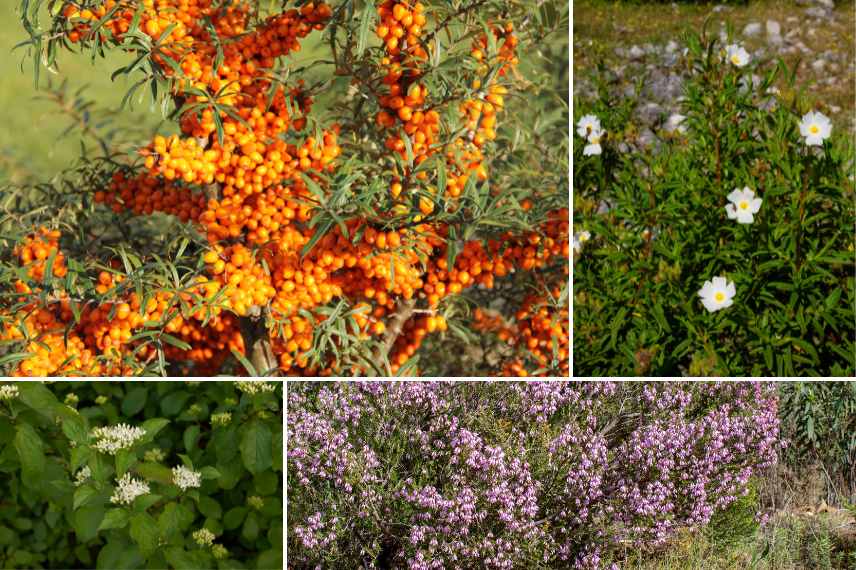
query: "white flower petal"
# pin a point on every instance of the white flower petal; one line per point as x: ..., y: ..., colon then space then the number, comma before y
x: 592, y: 149
x: 755, y: 205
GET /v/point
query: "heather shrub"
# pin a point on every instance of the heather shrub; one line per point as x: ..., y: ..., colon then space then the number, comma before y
x: 723, y: 246
x: 514, y: 475
x: 134, y: 475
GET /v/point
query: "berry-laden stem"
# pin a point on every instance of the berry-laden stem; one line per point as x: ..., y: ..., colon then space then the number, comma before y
x: 257, y: 344
x: 404, y: 310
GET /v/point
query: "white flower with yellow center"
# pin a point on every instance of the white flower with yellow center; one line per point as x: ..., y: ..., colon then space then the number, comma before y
x: 717, y: 294
x: 580, y: 238
x: 737, y: 55
x: 594, y: 143
x: 815, y: 127
x: 587, y: 124
x: 744, y: 205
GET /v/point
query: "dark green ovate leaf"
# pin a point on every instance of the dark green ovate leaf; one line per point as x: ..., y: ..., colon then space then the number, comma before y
x: 174, y: 519
x: 210, y: 508
x: 234, y: 517
x: 119, y: 555
x: 86, y: 521
x: 31, y: 453
x: 144, y: 532
x: 37, y: 396
x: 115, y: 518
x: 134, y: 401
x: 256, y: 446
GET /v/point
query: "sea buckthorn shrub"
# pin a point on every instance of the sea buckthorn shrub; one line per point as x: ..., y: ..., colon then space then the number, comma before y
x: 514, y: 474
x: 725, y: 247
x: 118, y: 475
x: 333, y: 213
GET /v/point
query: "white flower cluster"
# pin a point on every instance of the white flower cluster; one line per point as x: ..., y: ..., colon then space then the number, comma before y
x: 186, y: 478
x: 112, y: 439
x: 8, y: 391
x: 204, y: 537
x: 82, y: 476
x: 589, y: 128
x: 128, y: 490
x: 254, y: 386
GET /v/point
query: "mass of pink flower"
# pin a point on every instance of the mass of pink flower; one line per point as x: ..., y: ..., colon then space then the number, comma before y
x: 514, y: 475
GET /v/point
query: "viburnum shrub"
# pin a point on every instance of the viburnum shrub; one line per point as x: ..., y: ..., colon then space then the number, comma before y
x: 514, y: 475
x: 724, y: 248
x: 327, y: 215
x: 116, y: 475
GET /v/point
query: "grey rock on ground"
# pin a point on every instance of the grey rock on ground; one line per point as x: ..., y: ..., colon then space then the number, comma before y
x: 752, y: 29
x: 773, y: 28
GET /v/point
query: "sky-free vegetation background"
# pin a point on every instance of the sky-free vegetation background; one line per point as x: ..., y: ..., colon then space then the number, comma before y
x: 821, y: 39
x: 30, y: 123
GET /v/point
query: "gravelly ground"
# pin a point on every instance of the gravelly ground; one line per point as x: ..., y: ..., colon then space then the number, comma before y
x: 645, y: 41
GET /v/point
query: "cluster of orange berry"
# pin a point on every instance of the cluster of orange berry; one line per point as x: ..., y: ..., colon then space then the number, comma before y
x: 543, y: 333
x: 245, y: 177
x: 98, y: 339
x: 35, y: 250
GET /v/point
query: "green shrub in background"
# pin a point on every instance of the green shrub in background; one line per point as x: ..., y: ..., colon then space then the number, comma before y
x: 141, y: 475
x: 819, y: 423
x: 658, y: 228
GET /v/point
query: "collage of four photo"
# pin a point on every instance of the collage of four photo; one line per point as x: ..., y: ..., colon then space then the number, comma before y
x: 428, y: 285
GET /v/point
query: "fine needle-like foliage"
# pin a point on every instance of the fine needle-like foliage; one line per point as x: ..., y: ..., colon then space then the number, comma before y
x: 395, y: 201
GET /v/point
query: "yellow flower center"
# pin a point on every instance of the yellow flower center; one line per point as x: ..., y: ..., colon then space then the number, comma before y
x: 814, y: 129
x: 744, y: 205
x: 719, y: 296
x: 735, y: 59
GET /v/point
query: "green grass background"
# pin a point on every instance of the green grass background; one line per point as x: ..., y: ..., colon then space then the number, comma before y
x: 31, y: 146
x: 30, y: 126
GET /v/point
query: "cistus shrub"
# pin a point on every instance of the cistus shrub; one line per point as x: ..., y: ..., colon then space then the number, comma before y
x: 326, y: 213
x: 116, y: 475
x: 725, y: 246
x: 513, y: 475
